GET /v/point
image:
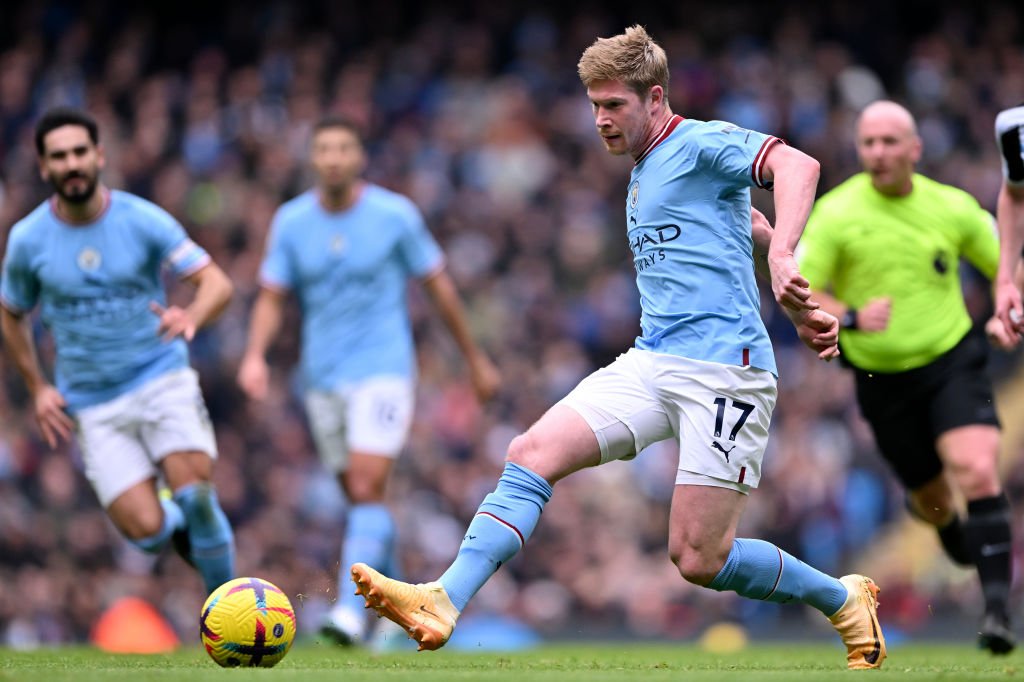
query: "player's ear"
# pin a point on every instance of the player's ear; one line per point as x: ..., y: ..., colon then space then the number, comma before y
x: 656, y: 95
x: 101, y: 157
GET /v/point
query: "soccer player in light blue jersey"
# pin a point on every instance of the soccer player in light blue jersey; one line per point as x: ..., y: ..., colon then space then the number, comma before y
x: 91, y: 259
x: 347, y: 250
x: 701, y: 372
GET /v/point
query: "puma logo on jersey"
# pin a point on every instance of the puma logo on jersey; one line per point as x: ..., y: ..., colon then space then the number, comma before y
x: 715, y: 444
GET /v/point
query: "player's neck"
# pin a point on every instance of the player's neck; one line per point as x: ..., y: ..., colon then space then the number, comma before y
x: 654, y: 129
x: 85, y: 212
x: 335, y: 199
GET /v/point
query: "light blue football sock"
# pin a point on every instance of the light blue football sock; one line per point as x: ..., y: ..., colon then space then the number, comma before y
x: 209, y: 533
x: 369, y: 538
x: 503, y: 523
x: 760, y: 570
x: 174, y: 519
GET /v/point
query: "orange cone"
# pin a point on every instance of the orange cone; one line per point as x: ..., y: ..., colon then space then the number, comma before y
x: 132, y: 626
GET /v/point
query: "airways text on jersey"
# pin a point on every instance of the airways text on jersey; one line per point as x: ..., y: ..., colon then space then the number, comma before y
x: 645, y: 244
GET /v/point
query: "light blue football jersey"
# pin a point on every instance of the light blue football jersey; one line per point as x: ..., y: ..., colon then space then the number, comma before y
x: 94, y: 283
x: 350, y: 271
x: 688, y: 223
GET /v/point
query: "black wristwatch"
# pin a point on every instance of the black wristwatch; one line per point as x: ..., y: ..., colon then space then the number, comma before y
x: 849, y: 320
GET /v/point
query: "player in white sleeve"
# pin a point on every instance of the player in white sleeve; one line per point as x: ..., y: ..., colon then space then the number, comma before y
x: 1010, y: 221
x: 90, y: 259
x: 702, y: 371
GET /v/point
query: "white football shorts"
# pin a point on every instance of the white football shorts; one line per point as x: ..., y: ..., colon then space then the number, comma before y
x: 719, y: 414
x: 124, y: 439
x: 372, y: 416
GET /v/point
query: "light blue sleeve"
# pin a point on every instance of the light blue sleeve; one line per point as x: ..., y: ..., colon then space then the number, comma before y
x: 419, y: 250
x: 175, y: 249
x: 276, y: 270
x: 19, y: 287
x: 736, y: 154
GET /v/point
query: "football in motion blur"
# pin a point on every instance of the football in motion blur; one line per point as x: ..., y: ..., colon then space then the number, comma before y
x: 247, y: 622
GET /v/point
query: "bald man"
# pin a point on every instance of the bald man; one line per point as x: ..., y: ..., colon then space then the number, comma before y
x: 881, y: 252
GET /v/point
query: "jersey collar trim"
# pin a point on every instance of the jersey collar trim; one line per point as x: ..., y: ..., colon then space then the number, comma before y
x: 670, y: 125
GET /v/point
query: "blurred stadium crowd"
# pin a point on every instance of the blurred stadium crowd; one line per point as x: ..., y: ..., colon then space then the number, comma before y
x: 476, y: 112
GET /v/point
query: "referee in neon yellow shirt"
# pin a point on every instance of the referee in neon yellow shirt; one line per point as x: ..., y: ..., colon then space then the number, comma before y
x: 887, y: 245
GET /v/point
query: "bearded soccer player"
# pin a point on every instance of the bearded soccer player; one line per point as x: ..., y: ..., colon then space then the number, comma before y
x: 91, y: 258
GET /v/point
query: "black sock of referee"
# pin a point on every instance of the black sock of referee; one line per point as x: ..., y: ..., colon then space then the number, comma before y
x: 987, y: 531
x: 953, y: 541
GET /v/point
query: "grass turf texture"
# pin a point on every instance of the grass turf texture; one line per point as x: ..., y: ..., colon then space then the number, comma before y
x: 561, y: 663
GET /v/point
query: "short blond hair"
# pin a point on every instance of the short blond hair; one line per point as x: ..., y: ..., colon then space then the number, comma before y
x: 632, y: 58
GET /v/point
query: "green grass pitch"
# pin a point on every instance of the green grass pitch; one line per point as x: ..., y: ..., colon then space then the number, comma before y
x: 561, y: 663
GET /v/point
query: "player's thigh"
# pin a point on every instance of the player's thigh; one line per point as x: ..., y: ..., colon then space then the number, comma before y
x: 558, y: 444
x: 722, y: 414
x: 619, y: 407
x: 113, y: 456
x: 175, y: 421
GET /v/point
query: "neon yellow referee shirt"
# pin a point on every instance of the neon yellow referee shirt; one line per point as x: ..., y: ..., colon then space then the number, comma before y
x: 864, y: 245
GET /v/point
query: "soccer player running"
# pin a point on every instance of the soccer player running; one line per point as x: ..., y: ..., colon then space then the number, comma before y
x: 888, y: 242
x: 1010, y: 219
x: 91, y: 259
x: 347, y: 249
x: 702, y: 370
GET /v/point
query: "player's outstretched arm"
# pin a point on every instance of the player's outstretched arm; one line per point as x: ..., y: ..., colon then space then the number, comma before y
x: 1010, y: 223
x: 795, y: 178
x: 484, y: 375
x: 48, y: 403
x: 253, y: 372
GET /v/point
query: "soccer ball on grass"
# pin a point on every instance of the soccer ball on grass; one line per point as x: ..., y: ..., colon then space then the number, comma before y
x: 247, y: 622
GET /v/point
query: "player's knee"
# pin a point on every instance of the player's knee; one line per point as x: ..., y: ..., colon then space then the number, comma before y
x: 361, y: 487
x: 978, y: 478
x: 362, y: 490
x: 141, y: 526
x: 523, y: 451
x: 693, y: 565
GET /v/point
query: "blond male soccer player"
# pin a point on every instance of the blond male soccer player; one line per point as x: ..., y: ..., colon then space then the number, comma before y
x: 888, y: 243
x: 92, y: 258
x: 347, y: 250
x: 701, y: 372
x: 1010, y: 219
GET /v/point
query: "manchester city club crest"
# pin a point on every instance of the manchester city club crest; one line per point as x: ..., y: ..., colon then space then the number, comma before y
x: 634, y: 193
x: 337, y: 244
x: 89, y: 259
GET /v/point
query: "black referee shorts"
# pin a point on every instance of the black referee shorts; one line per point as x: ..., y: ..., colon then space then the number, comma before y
x: 909, y: 410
